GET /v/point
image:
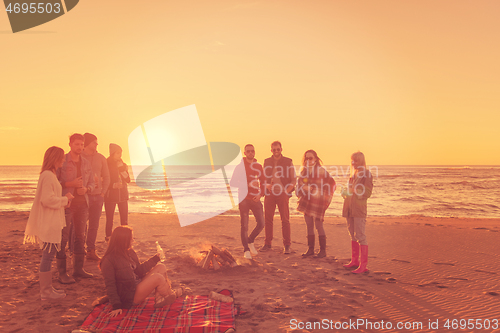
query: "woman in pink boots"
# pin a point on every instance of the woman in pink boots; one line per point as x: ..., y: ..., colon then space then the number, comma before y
x: 355, y: 207
x: 47, y: 220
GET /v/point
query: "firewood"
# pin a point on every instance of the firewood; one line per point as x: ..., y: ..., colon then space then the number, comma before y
x: 215, y: 264
x: 209, y: 257
x: 226, y: 252
x: 216, y: 250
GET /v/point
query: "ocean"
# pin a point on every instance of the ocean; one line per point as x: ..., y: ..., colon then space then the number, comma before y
x: 437, y: 191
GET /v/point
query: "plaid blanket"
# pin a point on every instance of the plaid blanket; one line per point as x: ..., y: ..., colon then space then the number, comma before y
x: 194, y: 314
x: 317, y: 198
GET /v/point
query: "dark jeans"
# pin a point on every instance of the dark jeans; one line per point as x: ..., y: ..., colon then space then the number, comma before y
x: 109, y: 207
x: 76, y: 216
x: 310, y: 222
x: 245, y: 207
x: 95, y: 211
x: 270, y: 203
x: 48, y: 254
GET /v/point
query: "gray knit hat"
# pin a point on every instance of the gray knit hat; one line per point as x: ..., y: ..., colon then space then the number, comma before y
x: 89, y: 138
x: 113, y: 148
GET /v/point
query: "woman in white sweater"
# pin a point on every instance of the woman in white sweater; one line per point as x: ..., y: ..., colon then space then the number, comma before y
x: 46, y: 219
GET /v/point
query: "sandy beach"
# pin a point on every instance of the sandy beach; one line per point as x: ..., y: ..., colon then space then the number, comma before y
x: 422, y: 270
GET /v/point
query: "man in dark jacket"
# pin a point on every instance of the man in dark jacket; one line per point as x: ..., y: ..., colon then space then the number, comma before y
x: 249, y: 178
x: 280, y: 178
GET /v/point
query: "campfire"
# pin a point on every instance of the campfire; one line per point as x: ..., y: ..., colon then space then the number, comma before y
x: 215, y: 258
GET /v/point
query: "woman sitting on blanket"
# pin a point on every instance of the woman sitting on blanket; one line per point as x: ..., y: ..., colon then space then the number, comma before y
x: 129, y: 282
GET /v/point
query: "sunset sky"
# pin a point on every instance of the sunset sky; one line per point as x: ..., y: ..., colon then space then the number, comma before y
x: 405, y: 82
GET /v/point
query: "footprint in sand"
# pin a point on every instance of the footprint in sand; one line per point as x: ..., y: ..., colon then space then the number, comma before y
x: 481, y: 271
x: 492, y: 293
x: 399, y: 260
x: 443, y: 263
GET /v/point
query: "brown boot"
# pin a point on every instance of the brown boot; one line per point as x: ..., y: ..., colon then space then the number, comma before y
x: 91, y: 255
x: 78, y: 270
x: 64, y: 278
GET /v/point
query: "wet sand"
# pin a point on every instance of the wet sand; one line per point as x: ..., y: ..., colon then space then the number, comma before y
x: 421, y: 269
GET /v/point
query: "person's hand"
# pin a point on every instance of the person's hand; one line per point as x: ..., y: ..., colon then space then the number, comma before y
x: 102, y: 195
x: 70, y: 196
x: 81, y: 190
x: 305, y: 188
x: 78, y: 182
x: 115, y: 313
x: 257, y: 198
x: 269, y: 187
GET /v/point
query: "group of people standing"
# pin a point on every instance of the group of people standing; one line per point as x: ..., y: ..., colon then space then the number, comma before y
x: 314, y: 187
x: 71, y: 190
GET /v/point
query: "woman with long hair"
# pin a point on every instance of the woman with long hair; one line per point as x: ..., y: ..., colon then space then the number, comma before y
x: 355, y: 196
x: 128, y: 281
x: 117, y: 194
x: 315, y: 188
x: 47, y: 220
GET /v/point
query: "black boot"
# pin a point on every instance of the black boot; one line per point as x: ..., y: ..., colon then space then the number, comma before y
x: 322, y: 247
x: 78, y: 270
x: 63, y: 276
x: 310, y: 243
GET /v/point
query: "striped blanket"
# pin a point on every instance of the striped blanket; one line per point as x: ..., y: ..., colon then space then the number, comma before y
x: 194, y: 314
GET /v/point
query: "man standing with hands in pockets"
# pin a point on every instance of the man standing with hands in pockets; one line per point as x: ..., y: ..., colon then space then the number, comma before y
x: 76, y: 178
x: 100, y: 173
x: 280, y: 183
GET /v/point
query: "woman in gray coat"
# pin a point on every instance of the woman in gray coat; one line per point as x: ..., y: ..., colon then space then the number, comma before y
x: 355, y: 210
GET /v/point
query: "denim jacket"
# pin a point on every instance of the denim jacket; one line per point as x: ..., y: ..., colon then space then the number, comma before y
x: 68, y: 173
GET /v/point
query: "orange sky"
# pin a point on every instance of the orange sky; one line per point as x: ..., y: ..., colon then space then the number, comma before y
x: 406, y: 82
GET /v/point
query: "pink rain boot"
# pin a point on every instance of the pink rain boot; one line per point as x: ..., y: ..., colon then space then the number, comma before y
x: 355, y: 255
x: 364, y: 260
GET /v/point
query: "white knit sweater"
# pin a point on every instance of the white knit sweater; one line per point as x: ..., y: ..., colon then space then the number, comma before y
x: 47, y: 213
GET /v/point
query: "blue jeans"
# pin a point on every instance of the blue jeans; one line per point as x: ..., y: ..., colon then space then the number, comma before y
x: 76, y: 217
x: 258, y: 211
x: 310, y: 222
x: 47, y: 257
x: 95, y: 211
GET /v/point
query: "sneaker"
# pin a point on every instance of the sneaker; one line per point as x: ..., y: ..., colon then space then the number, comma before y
x: 247, y: 255
x: 253, y: 250
x: 287, y: 249
x: 265, y: 248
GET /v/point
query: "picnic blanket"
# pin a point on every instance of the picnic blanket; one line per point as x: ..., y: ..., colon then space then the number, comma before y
x: 194, y: 314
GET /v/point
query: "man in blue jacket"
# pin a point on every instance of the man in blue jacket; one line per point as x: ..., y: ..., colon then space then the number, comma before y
x: 76, y: 178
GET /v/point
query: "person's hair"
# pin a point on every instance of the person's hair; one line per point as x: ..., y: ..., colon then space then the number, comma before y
x: 52, y: 156
x: 275, y: 143
x: 76, y: 136
x: 119, y: 243
x: 359, y: 157
x: 318, y: 160
x: 249, y: 144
